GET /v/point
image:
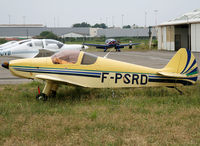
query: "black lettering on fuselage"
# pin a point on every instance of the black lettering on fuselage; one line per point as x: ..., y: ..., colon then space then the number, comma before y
x: 143, y: 79
x: 127, y: 78
x: 117, y: 76
x: 135, y: 78
x: 103, y: 76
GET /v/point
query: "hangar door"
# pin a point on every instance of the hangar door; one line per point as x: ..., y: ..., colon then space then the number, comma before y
x: 195, y: 37
x: 182, y: 37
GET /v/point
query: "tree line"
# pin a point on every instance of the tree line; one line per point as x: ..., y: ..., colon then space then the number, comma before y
x: 85, y: 24
x: 97, y: 25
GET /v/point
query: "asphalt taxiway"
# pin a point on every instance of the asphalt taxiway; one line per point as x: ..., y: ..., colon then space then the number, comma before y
x: 154, y: 59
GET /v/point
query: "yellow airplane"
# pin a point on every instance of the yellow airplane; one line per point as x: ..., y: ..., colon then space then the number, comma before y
x: 87, y: 70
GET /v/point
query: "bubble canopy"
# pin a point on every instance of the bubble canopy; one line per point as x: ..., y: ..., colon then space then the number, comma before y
x: 71, y: 57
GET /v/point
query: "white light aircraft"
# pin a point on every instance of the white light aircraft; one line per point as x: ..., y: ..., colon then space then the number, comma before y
x: 7, y: 44
x: 32, y: 47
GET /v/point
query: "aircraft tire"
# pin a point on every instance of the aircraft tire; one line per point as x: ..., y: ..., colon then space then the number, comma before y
x: 42, y: 97
x: 53, y: 94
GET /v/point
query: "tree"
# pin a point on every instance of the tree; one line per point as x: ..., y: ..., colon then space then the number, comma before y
x: 2, y: 41
x: 126, y: 26
x: 102, y: 25
x: 83, y: 24
x: 47, y: 35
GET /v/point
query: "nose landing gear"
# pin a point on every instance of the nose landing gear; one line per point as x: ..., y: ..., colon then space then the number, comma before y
x: 42, y: 97
x: 48, y: 91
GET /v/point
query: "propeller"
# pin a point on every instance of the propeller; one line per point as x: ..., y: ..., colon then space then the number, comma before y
x: 5, y: 65
x: 84, y: 47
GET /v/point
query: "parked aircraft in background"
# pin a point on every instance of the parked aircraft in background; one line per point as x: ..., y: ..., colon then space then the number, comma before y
x: 112, y: 43
x: 7, y: 44
x: 87, y: 70
x: 32, y: 47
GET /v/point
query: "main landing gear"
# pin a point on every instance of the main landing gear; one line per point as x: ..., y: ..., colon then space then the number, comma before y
x: 42, y: 97
x: 179, y: 91
x: 117, y: 49
x: 48, y: 91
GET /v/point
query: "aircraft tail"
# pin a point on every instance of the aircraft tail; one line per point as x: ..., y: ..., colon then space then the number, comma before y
x: 183, y: 65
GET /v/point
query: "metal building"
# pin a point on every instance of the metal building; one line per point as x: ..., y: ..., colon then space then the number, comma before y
x: 182, y: 32
x: 32, y: 30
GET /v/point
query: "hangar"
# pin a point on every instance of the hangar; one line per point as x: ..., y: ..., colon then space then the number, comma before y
x: 181, y: 32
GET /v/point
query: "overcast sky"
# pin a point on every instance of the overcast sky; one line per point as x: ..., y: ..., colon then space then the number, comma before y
x: 67, y: 12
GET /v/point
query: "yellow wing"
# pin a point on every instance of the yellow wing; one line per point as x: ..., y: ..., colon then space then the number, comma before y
x: 57, y: 79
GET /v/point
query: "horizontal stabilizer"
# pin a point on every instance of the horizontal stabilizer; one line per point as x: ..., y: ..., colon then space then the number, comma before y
x: 171, y: 74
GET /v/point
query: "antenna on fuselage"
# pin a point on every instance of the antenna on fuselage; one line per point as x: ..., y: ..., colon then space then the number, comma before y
x: 108, y: 53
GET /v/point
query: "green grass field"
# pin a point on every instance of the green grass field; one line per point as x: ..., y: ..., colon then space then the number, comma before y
x: 82, y: 116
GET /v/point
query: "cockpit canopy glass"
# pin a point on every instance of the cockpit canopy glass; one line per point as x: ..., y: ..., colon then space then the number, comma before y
x: 71, y: 57
x: 109, y: 41
x: 49, y: 41
x: 24, y: 41
x: 88, y: 59
x: 65, y: 57
x: 38, y: 43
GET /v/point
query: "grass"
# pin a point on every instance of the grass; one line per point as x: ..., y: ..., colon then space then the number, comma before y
x: 82, y: 116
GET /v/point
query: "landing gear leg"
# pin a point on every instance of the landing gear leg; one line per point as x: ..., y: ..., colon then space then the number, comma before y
x: 53, y: 90
x: 180, y: 92
x: 46, y: 91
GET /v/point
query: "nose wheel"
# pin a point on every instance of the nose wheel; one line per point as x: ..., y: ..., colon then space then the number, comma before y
x: 48, y: 91
x: 42, y: 97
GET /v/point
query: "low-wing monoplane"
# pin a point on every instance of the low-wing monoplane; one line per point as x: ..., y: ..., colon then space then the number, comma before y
x: 32, y: 47
x: 7, y: 44
x: 86, y: 70
x: 112, y: 43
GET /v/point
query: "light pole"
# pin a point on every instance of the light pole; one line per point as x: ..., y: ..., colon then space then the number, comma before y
x: 107, y: 21
x: 113, y: 21
x: 9, y: 16
x: 145, y: 19
x: 122, y: 20
x: 156, y: 11
x: 54, y: 21
x: 24, y: 20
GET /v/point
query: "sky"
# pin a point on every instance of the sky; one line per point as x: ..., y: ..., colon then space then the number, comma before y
x: 65, y: 13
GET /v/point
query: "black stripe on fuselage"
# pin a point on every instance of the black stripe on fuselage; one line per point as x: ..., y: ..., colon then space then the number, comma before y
x: 60, y: 73
x: 170, y: 81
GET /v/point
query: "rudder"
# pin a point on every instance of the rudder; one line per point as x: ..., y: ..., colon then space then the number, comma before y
x: 183, y: 64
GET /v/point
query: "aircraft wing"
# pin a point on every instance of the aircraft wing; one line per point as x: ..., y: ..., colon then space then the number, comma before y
x: 28, y: 53
x: 98, y: 46
x: 130, y: 44
x: 57, y: 79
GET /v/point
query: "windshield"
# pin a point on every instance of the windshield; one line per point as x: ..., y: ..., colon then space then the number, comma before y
x: 24, y: 41
x: 38, y: 43
x: 65, y: 57
x: 88, y: 59
x: 59, y: 44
